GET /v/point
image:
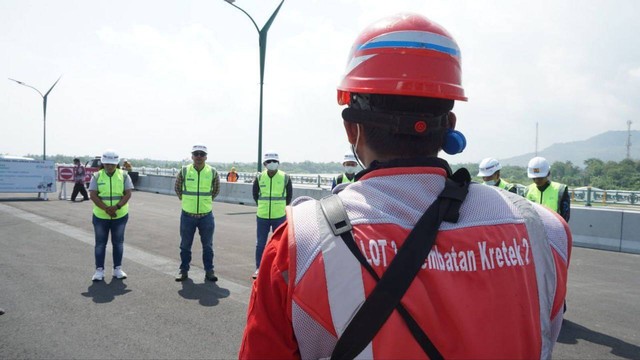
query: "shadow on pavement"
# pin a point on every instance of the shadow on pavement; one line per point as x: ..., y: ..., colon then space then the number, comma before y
x: 101, y: 292
x: 207, y: 293
x: 16, y: 199
x: 572, y: 332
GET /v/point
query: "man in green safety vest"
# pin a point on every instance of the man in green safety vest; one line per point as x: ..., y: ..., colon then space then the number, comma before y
x: 350, y: 165
x: 543, y: 191
x: 489, y: 171
x: 197, y: 185
x: 272, y: 191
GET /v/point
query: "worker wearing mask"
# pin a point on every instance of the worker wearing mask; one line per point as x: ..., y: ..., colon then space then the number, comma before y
x: 489, y: 171
x: 350, y: 165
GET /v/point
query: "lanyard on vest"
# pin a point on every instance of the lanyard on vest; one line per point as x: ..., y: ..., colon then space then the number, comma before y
x: 394, y: 283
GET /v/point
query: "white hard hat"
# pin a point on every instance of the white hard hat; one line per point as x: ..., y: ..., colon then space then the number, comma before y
x: 110, y: 157
x: 488, y: 167
x: 199, y: 147
x: 270, y: 155
x: 348, y: 156
x: 538, y: 167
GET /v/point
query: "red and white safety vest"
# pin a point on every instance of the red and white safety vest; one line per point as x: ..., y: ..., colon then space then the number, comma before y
x: 492, y: 286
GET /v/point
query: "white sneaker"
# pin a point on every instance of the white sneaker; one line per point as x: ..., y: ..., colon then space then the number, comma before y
x: 255, y: 274
x: 118, y: 273
x: 99, y: 275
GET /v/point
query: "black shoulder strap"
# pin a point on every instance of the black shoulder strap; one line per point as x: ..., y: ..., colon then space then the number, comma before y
x: 390, y: 289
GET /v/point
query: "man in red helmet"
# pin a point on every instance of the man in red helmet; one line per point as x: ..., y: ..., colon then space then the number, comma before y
x: 407, y: 262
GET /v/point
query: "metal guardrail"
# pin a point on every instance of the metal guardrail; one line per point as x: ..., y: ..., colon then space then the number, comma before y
x: 591, y: 196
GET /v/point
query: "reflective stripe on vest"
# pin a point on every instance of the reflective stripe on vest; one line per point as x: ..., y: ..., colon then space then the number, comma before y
x: 272, y: 196
x: 196, y: 189
x: 344, y: 281
x: 550, y: 199
x: 545, y: 268
x: 110, y: 191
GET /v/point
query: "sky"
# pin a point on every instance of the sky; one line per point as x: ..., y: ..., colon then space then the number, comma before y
x: 150, y: 78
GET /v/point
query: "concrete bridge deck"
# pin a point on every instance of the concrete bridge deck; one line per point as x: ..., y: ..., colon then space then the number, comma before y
x: 54, y: 311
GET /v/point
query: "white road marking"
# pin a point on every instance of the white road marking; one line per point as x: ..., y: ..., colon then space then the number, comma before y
x: 158, y: 263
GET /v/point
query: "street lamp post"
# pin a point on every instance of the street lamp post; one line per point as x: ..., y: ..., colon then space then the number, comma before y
x: 44, y: 110
x: 262, y: 41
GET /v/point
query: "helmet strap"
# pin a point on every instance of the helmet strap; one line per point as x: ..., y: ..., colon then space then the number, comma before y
x: 397, y: 123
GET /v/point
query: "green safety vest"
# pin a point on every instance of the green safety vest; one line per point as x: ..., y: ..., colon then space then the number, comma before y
x: 196, y: 189
x: 343, y: 179
x: 550, y: 199
x: 505, y: 185
x: 272, y: 196
x: 110, y: 191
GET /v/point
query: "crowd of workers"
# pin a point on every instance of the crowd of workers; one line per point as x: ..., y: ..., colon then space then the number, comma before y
x: 403, y: 260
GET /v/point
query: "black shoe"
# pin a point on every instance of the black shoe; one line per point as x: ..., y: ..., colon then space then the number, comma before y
x: 211, y: 276
x: 181, y: 275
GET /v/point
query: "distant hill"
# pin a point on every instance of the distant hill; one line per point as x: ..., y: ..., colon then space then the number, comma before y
x: 608, y: 146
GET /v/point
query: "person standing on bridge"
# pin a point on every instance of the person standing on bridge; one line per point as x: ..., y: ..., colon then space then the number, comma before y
x: 272, y: 191
x: 367, y: 272
x: 543, y: 191
x: 110, y: 191
x: 489, y: 171
x: 232, y: 176
x: 350, y: 165
x: 196, y: 186
x: 78, y: 178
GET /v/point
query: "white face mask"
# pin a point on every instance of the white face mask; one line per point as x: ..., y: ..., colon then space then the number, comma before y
x: 350, y: 169
x: 490, y: 182
x: 272, y: 166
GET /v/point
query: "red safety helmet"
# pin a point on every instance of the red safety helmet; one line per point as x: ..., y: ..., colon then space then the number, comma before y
x: 405, y: 54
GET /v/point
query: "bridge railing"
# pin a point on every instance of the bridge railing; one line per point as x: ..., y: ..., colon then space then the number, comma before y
x: 323, y: 181
x: 590, y: 196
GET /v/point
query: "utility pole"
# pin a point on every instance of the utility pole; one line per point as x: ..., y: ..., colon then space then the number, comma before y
x: 629, y: 139
x: 44, y: 110
x: 262, y: 43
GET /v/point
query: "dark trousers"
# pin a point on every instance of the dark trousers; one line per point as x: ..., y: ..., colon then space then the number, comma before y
x: 79, y: 187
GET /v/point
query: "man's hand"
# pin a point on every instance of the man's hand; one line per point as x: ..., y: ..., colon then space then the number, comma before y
x: 111, y: 210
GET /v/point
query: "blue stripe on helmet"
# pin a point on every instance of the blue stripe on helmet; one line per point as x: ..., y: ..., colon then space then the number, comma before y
x: 415, y: 40
x: 410, y: 44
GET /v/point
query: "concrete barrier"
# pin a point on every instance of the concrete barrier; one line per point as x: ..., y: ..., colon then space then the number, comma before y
x: 607, y: 229
x: 597, y: 228
x: 235, y: 193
